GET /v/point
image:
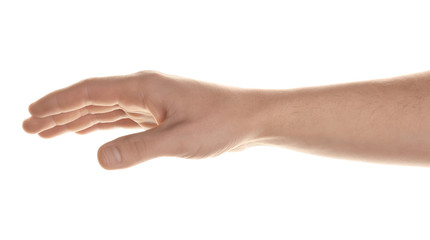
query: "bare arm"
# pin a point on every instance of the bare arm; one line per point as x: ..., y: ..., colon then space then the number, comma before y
x: 384, y: 120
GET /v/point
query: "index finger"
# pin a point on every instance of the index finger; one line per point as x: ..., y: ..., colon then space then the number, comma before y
x: 104, y: 91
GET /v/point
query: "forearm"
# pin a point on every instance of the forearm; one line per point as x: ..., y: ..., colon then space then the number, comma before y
x: 385, y: 120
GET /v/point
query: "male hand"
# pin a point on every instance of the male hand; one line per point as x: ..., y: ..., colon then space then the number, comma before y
x: 185, y: 118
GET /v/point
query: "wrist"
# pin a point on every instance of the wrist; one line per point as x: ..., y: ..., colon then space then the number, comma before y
x: 268, y: 115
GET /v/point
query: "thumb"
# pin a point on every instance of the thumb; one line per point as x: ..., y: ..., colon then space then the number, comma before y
x: 135, y: 148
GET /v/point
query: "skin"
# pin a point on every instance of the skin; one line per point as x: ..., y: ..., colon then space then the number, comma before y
x: 378, y: 121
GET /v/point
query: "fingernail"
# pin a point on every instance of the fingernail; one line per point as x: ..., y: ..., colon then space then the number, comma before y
x: 111, y: 155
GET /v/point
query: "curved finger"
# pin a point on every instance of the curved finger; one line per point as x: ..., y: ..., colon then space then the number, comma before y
x: 103, y: 91
x: 83, y: 123
x: 123, y: 123
x: 36, y: 125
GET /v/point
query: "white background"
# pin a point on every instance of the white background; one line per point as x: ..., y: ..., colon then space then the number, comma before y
x: 55, y: 189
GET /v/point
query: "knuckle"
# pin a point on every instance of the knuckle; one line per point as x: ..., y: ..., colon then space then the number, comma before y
x: 140, y: 147
x: 134, y: 148
x: 149, y: 78
x: 93, y: 119
x: 87, y: 81
x: 149, y: 73
x: 84, y: 111
x: 54, y: 119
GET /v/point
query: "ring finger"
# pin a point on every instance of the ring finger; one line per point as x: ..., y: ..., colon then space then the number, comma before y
x: 84, y: 123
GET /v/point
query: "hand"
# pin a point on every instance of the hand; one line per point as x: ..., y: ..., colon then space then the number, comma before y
x: 185, y: 118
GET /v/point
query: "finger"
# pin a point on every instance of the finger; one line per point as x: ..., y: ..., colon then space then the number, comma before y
x: 83, y: 123
x: 96, y: 91
x: 123, y: 123
x: 132, y: 149
x: 36, y: 125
